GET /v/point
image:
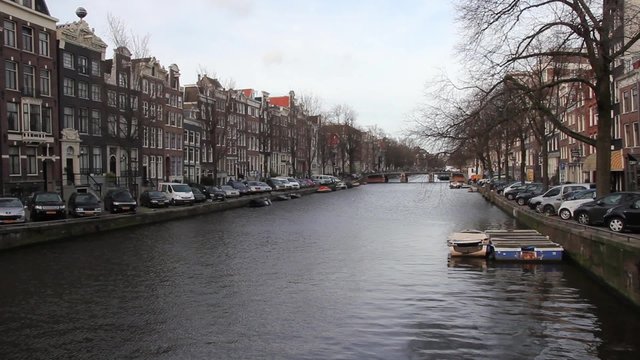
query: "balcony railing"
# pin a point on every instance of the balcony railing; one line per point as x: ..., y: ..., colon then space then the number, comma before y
x: 37, y: 136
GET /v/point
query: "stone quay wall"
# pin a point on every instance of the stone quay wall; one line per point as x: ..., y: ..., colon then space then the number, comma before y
x: 47, y: 231
x: 613, y: 258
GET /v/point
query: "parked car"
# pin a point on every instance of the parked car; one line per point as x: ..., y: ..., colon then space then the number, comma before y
x: 46, y: 206
x: 198, y: 196
x: 84, y: 204
x: 574, y: 200
x: 554, y: 195
x: 11, y: 211
x: 277, y: 184
x: 119, y: 200
x: 512, y: 190
x: 203, y: 189
x: 153, y: 198
x: 265, y: 186
x: 623, y: 217
x: 592, y: 213
x: 551, y: 200
x: 177, y: 193
x: 531, y: 191
x: 255, y: 187
x: 216, y: 193
x: 294, y: 183
x: 240, y: 186
x: 230, y: 191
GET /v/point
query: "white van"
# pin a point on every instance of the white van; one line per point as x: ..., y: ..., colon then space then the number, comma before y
x: 177, y: 193
x: 322, y: 179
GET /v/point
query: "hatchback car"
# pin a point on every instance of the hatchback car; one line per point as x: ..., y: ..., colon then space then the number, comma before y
x: 230, y: 191
x: 46, y: 206
x: 573, y: 201
x: 153, y: 198
x: 592, y: 213
x: 242, y: 188
x: 84, y: 204
x: 11, y: 211
x: 198, y: 196
x: 623, y: 217
x: 120, y: 200
x: 216, y: 193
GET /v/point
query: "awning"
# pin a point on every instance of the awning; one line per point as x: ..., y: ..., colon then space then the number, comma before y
x: 617, y: 161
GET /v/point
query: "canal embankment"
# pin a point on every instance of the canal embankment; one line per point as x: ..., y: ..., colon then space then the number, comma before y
x: 32, y: 233
x: 610, y: 257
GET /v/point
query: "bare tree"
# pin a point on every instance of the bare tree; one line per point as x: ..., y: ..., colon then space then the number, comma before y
x: 121, y: 36
x: 502, y: 35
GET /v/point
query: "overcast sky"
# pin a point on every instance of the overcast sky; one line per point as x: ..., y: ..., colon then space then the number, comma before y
x: 374, y: 55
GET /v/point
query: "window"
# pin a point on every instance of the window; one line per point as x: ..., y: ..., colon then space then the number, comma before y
x: 122, y: 102
x: 43, y: 43
x: 97, y: 160
x: 45, y: 82
x: 83, y: 65
x: 84, y: 160
x: 145, y: 109
x: 12, y: 117
x: 626, y: 103
x: 14, y: 160
x: 95, y: 68
x: 96, y: 128
x: 28, y: 79
x: 9, y: 33
x: 11, y: 75
x: 122, y: 80
x: 95, y: 92
x: 67, y: 118
x: 27, y: 39
x: 68, y: 87
x: 32, y: 164
x: 145, y: 137
x: 134, y: 102
x: 32, y: 121
x: 67, y: 60
x: 112, y: 125
x: 112, y: 99
x: 160, y: 112
x: 636, y: 140
x: 46, y: 120
x: 145, y: 86
x: 83, y: 90
x: 83, y: 121
x: 634, y: 99
x: 123, y: 127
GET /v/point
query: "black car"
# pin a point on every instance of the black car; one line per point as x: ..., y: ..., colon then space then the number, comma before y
x: 623, y: 217
x: 216, y: 194
x: 203, y: 189
x: 46, y: 206
x: 592, y: 213
x: 120, y: 200
x: 531, y: 191
x: 153, y: 198
x: 198, y: 196
x: 84, y: 204
x: 514, y: 190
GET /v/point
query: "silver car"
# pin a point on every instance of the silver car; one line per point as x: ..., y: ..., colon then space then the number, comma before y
x: 11, y: 211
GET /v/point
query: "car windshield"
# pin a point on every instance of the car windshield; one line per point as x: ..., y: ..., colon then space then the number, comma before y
x: 122, y: 196
x: 227, y: 187
x: 10, y: 202
x: 181, y: 188
x: 156, y: 194
x: 196, y: 191
x: 86, y: 198
x: 48, y: 198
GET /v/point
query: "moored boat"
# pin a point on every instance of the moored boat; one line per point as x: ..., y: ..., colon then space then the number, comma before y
x: 522, y: 245
x: 323, y: 188
x: 468, y: 243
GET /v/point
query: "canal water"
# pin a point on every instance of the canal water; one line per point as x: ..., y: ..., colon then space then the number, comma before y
x: 355, y: 274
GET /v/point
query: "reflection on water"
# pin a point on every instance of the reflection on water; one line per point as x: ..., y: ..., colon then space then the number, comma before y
x: 355, y: 274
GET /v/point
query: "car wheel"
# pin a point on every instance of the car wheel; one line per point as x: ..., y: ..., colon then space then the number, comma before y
x: 510, y: 196
x: 172, y: 202
x: 549, y: 210
x: 521, y: 201
x: 539, y: 208
x: 616, y: 224
x: 583, y: 218
x: 565, y: 214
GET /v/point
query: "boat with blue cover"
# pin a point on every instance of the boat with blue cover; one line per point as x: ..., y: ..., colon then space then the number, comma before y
x: 522, y: 245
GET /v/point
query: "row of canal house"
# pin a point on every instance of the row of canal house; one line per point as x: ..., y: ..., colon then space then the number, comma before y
x: 570, y: 160
x: 74, y: 119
